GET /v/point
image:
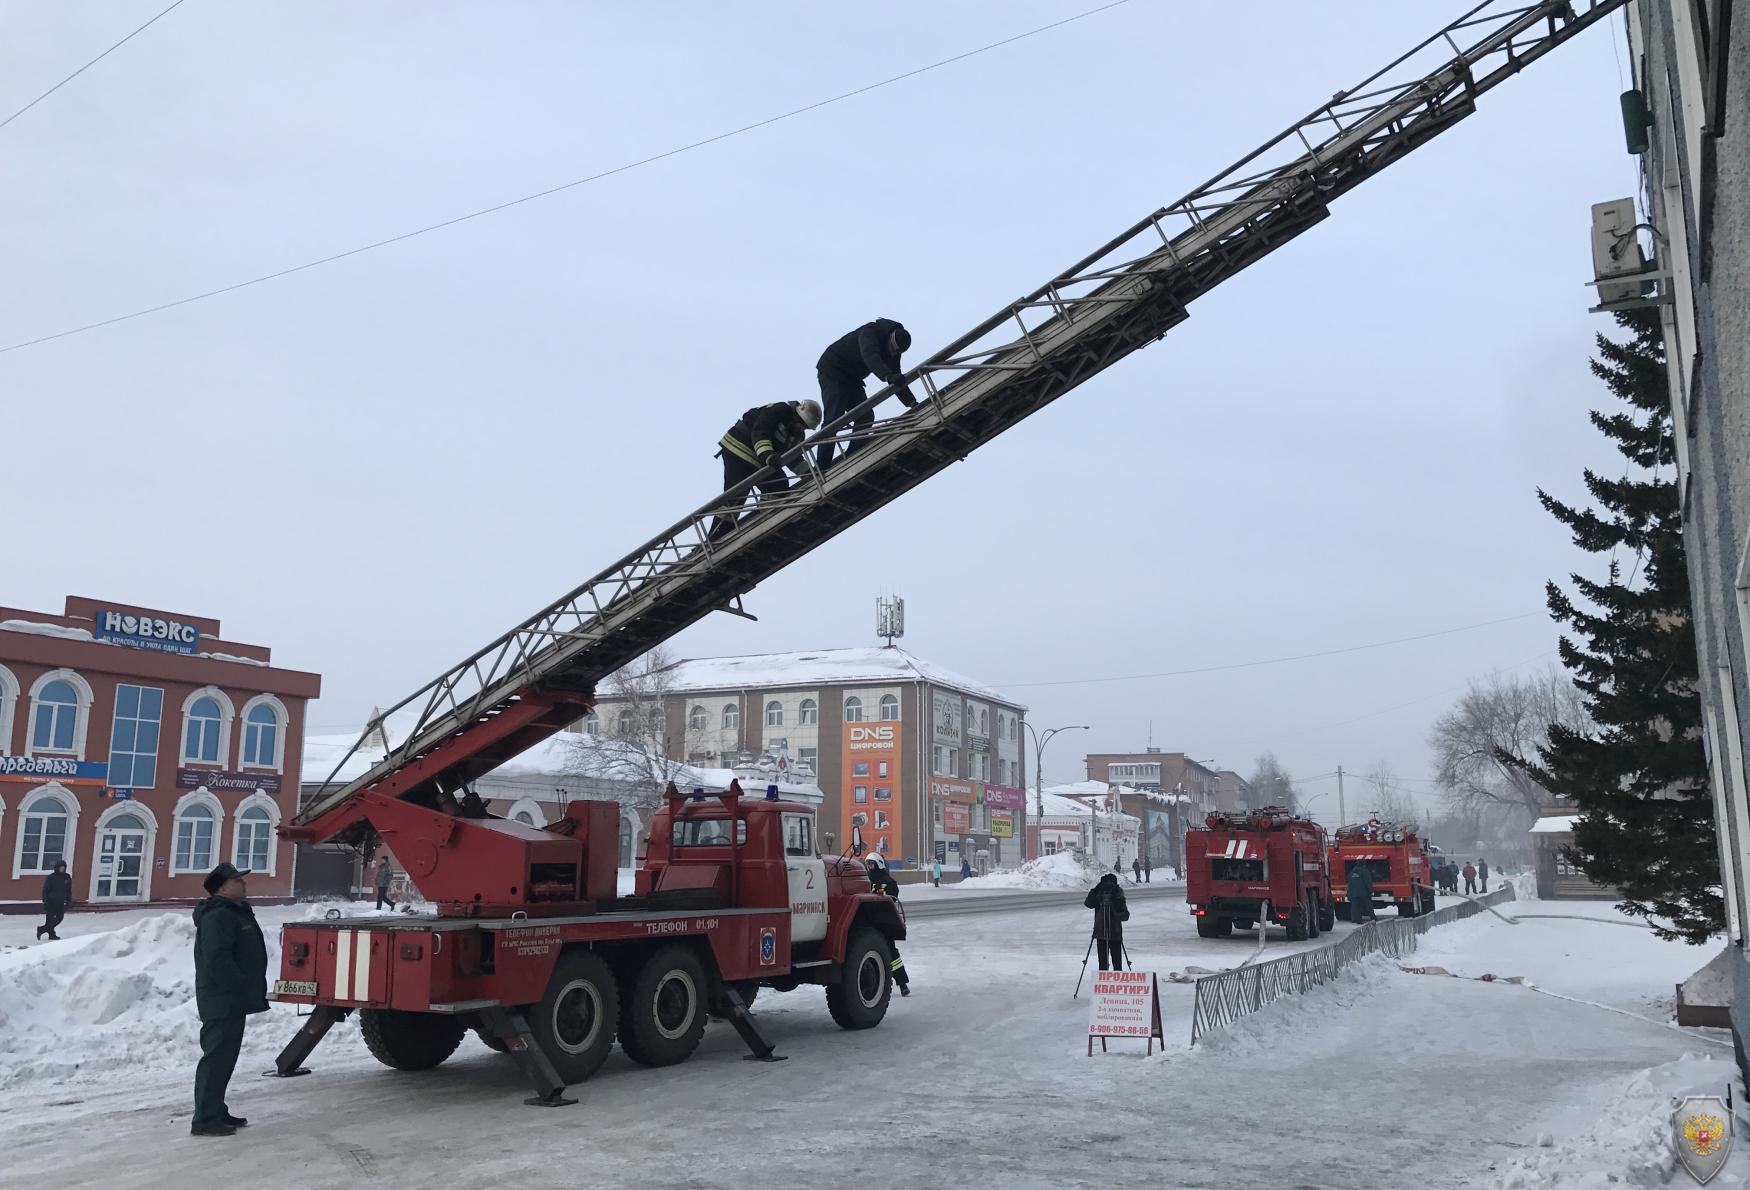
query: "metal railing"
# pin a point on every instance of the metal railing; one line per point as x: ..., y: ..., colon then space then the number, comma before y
x: 1225, y: 998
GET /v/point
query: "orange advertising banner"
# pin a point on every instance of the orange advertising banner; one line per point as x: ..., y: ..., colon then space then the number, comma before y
x: 869, y: 791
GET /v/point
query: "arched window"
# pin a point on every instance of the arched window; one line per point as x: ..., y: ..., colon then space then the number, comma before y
x: 731, y: 716
x: 983, y: 722
x: 853, y: 709
x: 697, y: 718
x: 524, y: 817
x: 45, y: 834
x: 54, y: 717
x: 528, y: 812
x: 808, y: 714
x: 264, y: 733
x: 774, y: 714
x: 889, y: 709
x: 592, y: 723
x: 654, y: 721
x: 8, y: 700
x: 197, y: 823
x: 206, y: 727
x: 626, y: 722
x: 252, y: 845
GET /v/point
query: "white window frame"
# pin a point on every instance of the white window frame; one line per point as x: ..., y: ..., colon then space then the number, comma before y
x: 592, y: 723
x: 201, y: 797
x: 69, y: 803
x: 8, y: 703
x: 82, y: 699
x: 774, y: 708
x: 809, y: 757
x: 258, y: 801
x: 808, y: 713
x: 852, y: 702
x: 626, y: 722
x: 698, y: 719
x: 886, y: 701
x: 115, y: 717
x: 1719, y: 781
x: 731, y: 717
x: 144, y: 813
x: 282, y: 722
x: 227, y: 717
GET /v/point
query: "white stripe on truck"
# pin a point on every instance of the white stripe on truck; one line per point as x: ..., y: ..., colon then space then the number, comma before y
x: 342, y: 963
x: 361, y: 978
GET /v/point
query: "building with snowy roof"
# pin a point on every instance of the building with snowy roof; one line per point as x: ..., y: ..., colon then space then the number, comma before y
x: 928, y: 762
x: 143, y: 749
x: 1088, y: 817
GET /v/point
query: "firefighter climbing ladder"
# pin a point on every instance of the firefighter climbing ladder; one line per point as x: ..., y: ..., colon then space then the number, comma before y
x: 540, y: 676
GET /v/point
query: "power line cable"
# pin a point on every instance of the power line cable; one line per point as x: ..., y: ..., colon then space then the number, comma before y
x: 552, y: 190
x: 1204, y: 669
x: 106, y: 53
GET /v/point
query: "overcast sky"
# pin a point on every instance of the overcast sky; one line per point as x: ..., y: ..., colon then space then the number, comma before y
x: 376, y: 466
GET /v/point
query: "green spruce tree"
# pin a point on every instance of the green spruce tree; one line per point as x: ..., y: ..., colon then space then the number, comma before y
x: 1638, y: 776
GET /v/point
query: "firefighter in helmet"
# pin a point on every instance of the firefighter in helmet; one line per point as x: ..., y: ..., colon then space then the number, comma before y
x: 884, y: 882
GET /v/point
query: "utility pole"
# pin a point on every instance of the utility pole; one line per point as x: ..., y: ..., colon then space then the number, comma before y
x: 1342, y: 814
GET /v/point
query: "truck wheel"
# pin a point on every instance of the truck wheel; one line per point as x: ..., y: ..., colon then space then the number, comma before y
x: 859, y: 1000
x: 574, y: 1022
x: 664, y: 1015
x: 1428, y: 905
x: 1297, y: 923
x: 1341, y: 910
x: 1312, y: 916
x: 1406, y: 908
x: 409, y: 1040
x: 1327, y: 916
x: 1215, y: 927
x: 490, y: 1042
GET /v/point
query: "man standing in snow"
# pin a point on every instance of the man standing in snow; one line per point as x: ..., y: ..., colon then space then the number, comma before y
x: 1483, y: 874
x: 230, y: 983
x: 1360, y: 892
x: 1148, y: 868
x: 57, y: 895
x: 1106, y: 899
x: 884, y: 883
x: 1470, y: 878
x: 385, y: 875
x: 873, y: 349
x: 1136, y: 870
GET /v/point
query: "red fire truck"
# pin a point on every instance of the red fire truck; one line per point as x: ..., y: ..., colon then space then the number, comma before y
x: 1265, y: 865
x: 1397, y: 856
x: 532, y: 949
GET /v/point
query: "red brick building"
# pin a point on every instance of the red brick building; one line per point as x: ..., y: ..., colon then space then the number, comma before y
x: 143, y: 749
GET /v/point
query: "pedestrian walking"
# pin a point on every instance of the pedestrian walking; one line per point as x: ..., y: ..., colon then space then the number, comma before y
x: 1106, y: 899
x: 57, y: 895
x: 385, y: 877
x: 936, y: 872
x: 1483, y: 874
x: 884, y: 883
x: 873, y: 349
x: 1148, y: 869
x: 754, y: 443
x: 1136, y: 871
x: 230, y: 984
x: 965, y: 870
x: 1470, y: 878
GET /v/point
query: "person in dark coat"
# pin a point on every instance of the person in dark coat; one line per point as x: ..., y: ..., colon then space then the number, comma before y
x: 1106, y: 899
x: 230, y: 983
x: 1136, y: 870
x: 752, y: 445
x: 1148, y: 869
x: 57, y: 895
x: 1360, y: 892
x: 1483, y: 875
x: 385, y: 876
x: 965, y: 870
x: 873, y: 349
x: 884, y: 883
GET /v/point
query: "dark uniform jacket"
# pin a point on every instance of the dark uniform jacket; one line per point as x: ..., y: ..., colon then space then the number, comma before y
x: 230, y: 960
x: 863, y: 352
x: 764, y: 431
x: 58, y: 890
x: 884, y: 882
x: 1106, y: 899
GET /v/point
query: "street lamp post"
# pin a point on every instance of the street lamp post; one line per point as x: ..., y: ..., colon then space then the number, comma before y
x: 1039, y: 743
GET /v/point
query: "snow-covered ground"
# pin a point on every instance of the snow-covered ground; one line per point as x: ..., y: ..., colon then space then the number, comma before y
x: 979, y: 1079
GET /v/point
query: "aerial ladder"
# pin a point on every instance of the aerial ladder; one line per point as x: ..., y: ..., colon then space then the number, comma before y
x: 541, y: 676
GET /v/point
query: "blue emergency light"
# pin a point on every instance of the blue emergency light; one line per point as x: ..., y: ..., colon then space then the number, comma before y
x: 771, y: 793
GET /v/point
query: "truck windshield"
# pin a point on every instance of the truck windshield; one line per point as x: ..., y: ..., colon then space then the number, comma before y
x: 708, y: 832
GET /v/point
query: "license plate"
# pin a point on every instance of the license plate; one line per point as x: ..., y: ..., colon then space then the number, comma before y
x: 294, y: 987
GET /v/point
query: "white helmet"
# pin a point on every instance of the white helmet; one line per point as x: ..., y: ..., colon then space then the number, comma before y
x: 810, y: 411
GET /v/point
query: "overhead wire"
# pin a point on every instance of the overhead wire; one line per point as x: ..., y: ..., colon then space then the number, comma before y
x: 106, y: 53
x: 494, y: 209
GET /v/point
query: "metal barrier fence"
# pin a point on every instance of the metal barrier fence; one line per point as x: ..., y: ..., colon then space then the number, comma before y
x: 1225, y: 998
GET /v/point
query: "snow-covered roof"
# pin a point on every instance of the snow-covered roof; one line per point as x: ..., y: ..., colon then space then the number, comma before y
x: 1555, y: 824
x: 1078, y: 800
x: 62, y: 632
x: 820, y: 667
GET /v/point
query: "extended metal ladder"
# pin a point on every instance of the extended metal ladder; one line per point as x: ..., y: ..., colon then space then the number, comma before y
x: 536, y: 678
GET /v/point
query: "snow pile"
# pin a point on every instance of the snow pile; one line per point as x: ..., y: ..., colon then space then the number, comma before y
x: 1712, y: 985
x: 33, y: 628
x: 1066, y: 869
x: 85, y: 1008
x: 1630, y: 1144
